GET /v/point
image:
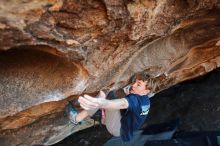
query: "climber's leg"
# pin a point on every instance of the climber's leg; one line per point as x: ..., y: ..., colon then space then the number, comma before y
x: 76, y: 117
x: 113, y: 117
x: 112, y: 122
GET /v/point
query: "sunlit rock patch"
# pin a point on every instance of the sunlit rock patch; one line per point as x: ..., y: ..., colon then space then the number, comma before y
x: 66, y: 48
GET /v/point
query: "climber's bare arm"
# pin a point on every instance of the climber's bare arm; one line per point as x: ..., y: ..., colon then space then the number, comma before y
x: 87, y: 102
x: 115, y: 104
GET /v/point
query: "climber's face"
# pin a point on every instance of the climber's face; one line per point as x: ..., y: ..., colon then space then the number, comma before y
x: 140, y: 87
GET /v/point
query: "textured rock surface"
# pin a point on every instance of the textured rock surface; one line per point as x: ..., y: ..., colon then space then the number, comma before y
x: 65, y: 48
x: 32, y: 77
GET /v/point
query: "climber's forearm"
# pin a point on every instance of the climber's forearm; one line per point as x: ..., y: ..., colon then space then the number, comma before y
x: 88, y: 103
x: 113, y: 104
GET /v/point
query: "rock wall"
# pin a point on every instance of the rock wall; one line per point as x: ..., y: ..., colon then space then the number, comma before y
x: 54, y: 50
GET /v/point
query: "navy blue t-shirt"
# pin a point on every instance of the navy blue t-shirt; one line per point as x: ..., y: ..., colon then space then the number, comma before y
x: 134, y: 116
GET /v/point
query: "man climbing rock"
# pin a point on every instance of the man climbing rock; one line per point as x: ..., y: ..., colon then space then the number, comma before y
x: 122, y: 116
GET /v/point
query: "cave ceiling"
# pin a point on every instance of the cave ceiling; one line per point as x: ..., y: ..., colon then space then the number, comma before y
x: 54, y: 50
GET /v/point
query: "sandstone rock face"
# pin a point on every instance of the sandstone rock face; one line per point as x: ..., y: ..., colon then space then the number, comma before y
x: 54, y: 50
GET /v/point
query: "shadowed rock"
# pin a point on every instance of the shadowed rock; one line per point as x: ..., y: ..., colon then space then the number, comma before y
x: 69, y: 47
x: 31, y: 77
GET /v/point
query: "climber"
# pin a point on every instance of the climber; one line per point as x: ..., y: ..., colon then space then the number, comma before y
x: 134, y: 108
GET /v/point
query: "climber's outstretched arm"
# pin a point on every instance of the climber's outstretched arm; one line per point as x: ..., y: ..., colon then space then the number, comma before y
x: 87, y: 102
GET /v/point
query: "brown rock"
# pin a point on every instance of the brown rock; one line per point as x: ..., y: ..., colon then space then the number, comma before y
x: 68, y: 47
